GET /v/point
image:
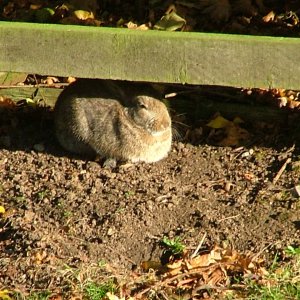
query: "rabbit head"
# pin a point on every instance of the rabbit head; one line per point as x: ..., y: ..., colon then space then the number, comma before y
x: 151, y: 114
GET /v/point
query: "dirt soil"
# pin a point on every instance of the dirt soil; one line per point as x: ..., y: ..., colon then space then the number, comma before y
x: 64, y: 213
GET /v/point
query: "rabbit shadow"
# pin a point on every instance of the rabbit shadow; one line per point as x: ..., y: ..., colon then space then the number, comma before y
x: 30, y: 129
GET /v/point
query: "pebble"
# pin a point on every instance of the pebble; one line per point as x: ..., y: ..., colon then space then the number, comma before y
x: 110, y: 231
x: 297, y: 190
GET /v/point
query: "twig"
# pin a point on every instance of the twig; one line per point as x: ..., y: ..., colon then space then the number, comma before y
x: 199, y: 245
x: 188, y: 91
x: 29, y: 86
x: 228, y: 218
x: 276, y: 178
x: 255, y: 256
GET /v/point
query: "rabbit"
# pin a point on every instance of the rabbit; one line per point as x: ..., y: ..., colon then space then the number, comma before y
x: 116, y: 120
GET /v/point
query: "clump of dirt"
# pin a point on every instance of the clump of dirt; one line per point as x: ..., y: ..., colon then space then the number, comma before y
x: 65, y: 213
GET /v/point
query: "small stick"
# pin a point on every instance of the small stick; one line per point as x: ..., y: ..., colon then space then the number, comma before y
x: 174, y: 94
x: 199, y: 245
x: 276, y: 178
x: 228, y: 218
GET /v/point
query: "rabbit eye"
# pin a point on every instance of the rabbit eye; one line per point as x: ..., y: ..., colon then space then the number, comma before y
x: 142, y: 105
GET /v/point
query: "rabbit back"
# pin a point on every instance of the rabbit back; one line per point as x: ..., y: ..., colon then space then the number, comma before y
x: 93, y: 118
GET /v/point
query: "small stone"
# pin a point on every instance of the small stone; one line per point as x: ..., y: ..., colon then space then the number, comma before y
x: 110, y: 163
x: 180, y: 146
x: 297, y: 190
x: 110, y: 232
x: 228, y: 186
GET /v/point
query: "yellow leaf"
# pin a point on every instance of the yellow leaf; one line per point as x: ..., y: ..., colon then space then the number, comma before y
x: 218, y: 122
x: 2, y: 211
x: 111, y: 296
x: 83, y: 14
x: 4, y: 295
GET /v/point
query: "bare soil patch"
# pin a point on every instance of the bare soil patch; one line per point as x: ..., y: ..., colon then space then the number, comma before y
x: 66, y: 212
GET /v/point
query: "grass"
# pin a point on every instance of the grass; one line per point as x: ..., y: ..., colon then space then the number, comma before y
x: 94, y: 291
x: 43, y: 295
x: 42, y: 194
x: 175, y: 245
x: 39, y: 296
x: 282, y: 283
x: 129, y: 194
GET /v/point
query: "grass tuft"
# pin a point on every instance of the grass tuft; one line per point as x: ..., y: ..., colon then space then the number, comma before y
x: 175, y: 245
x: 94, y: 291
x: 283, y: 282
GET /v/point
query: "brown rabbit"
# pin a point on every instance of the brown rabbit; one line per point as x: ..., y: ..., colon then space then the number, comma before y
x: 117, y: 120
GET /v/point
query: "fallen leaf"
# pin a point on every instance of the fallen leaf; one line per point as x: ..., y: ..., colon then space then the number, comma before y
x: 249, y: 176
x: 111, y: 296
x: 50, y: 80
x: 227, y: 133
x: 71, y: 79
x: 83, y: 14
x: 6, y: 103
x: 297, y: 190
x: 131, y: 25
x: 175, y: 265
x: 55, y: 297
x: 2, y: 210
x: 218, y: 122
x: 269, y: 17
x: 170, y: 22
x: 150, y: 264
x: 4, y: 295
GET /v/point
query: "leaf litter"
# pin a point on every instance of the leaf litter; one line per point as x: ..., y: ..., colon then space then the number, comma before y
x: 277, y: 18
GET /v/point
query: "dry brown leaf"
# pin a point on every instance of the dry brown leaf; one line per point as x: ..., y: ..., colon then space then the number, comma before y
x: 131, y: 25
x: 216, y: 277
x: 209, y: 269
x: 150, y: 264
x: 204, y: 260
x: 50, y: 80
x: 175, y: 265
x: 71, y: 79
x: 269, y: 17
x: 40, y: 257
x: 111, y: 296
x: 36, y: 6
x: 250, y: 176
x: 182, y: 283
x: 6, y: 103
x: 56, y: 297
x: 235, y: 135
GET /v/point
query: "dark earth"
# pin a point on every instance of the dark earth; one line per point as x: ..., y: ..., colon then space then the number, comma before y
x: 66, y: 216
